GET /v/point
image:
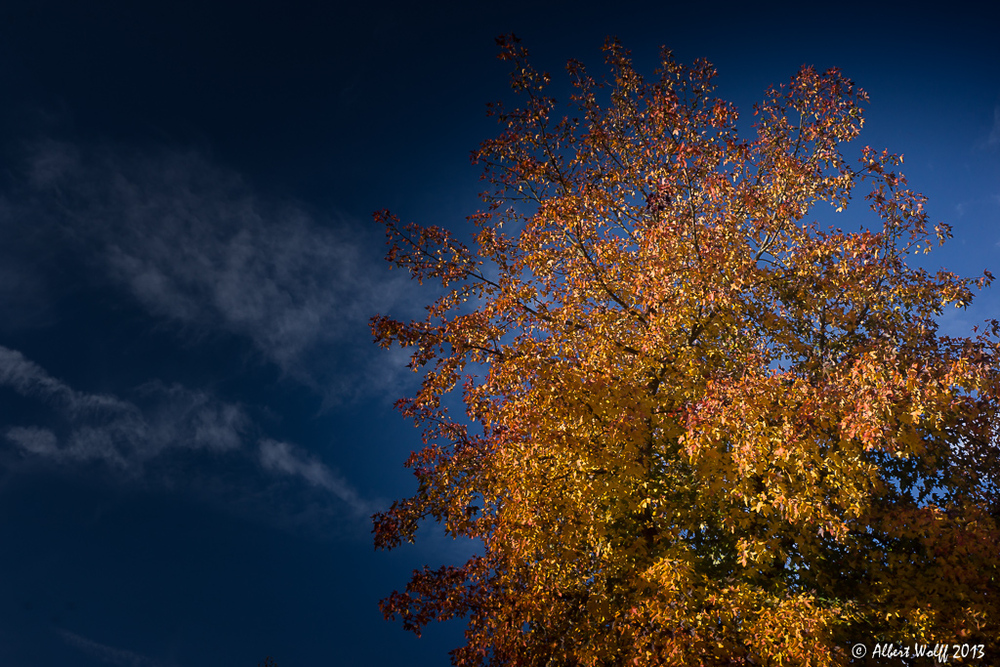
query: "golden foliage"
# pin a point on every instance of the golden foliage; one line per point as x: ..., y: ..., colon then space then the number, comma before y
x: 702, y: 429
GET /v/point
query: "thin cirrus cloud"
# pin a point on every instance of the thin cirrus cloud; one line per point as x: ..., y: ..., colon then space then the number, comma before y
x: 107, y: 654
x: 118, y: 433
x: 992, y: 138
x: 193, y: 244
x: 284, y: 458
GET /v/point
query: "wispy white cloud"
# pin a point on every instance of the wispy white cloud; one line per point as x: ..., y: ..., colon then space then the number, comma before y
x: 992, y: 139
x: 115, y: 431
x: 40, y: 441
x: 107, y: 654
x: 287, y: 459
x: 194, y: 244
x: 29, y: 379
x: 120, y: 434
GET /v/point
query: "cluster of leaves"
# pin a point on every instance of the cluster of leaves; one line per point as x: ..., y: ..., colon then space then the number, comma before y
x: 701, y: 428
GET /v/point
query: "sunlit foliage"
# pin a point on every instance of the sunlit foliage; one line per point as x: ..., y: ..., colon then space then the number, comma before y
x: 702, y: 427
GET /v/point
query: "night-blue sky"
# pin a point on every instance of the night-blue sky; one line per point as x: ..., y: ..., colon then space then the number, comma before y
x: 194, y: 423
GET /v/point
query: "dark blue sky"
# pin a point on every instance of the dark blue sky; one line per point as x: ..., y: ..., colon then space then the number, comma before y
x: 194, y: 424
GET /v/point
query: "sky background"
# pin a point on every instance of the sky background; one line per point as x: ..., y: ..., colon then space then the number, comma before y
x: 195, y: 426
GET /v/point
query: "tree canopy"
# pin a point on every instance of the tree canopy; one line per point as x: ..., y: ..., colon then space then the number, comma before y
x: 702, y: 427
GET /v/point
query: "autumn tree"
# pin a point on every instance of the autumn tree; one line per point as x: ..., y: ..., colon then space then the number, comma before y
x: 702, y: 427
